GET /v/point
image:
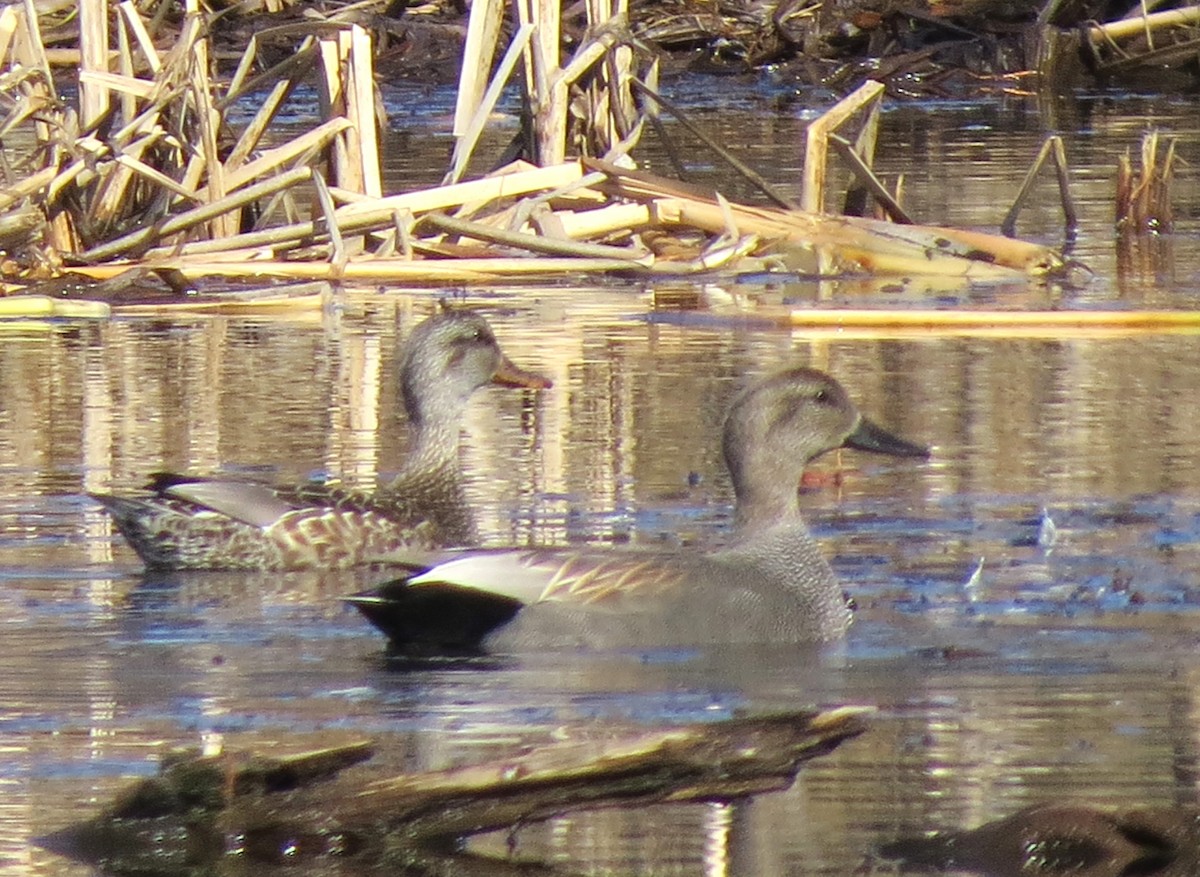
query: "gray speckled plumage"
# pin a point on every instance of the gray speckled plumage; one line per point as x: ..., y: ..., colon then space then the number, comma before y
x: 184, y: 522
x: 771, y: 584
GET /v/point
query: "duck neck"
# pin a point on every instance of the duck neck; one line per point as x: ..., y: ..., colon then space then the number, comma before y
x: 760, y: 510
x: 434, y: 450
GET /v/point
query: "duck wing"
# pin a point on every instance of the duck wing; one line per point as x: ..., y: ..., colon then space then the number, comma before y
x: 250, y: 503
x: 256, y: 503
x: 584, y: 576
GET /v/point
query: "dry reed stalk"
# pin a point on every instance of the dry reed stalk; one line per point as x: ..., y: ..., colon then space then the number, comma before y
x: 536, y: 243
x: 297, y: 65
x: 1139, y: 25
x: 468, y: 137
x: 553, y: 202
x: 547, y: 97
x: 314, y: 231
x: 602, y: 221
x: 26, y: 187
x: 208, y: 120
x: 124, y: 85
x: 242, y: 72
x: 1003, y: 321
x: 347, y: 94
x: 137, y: 29
x: 125, y: 68
x: 846, y: 244
x: 112, y: 188
x: 1143, y: 197
x: 25, y: 48
x: 852, y: 243
x: 274, y: 159
x: 326, y: 223
x: 865, y: 98
x: 10, y: 20
x: 361, y: 110
x: 733, y: 161
x: 43, y: 306
x: 143, y: 237
x: 867, y: 183
x: 283, y: 86
x: 1052, y: 147
x: 483, y: 34
x: 129, y: 160
x: 427, y: 272
x: 488, y: 189
x: 333, y: 105
x: 93, y: 49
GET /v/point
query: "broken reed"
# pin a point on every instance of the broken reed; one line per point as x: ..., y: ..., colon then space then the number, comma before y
x: 1143, y: 199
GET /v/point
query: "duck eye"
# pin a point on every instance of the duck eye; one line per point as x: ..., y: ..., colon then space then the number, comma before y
x: 822, y: 397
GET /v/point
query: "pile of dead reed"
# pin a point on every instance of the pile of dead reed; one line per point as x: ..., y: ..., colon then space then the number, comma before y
x: 149, y: 169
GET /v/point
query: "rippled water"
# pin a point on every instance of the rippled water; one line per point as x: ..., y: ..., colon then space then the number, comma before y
x: 1065, y: 670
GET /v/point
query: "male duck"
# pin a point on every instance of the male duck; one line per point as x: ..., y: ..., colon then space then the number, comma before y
x: 183, y: 522
x: 770, y: 585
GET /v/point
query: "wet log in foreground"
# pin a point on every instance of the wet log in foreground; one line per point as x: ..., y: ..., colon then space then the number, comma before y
x: 216, y: 814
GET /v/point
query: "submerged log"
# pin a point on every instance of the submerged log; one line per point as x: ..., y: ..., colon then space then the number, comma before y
x: 212, y: 814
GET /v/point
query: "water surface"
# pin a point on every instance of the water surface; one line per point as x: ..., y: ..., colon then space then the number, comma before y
x: 1066, y: 670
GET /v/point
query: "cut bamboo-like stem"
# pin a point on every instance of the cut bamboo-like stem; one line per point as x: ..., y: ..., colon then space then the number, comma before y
x: 1118, y: 30
x: 361, y: 110
x: 464, y: 146
x: 483, y: 31
x: 93, y: 47
x: 816, y: 149
x: 332, y: 53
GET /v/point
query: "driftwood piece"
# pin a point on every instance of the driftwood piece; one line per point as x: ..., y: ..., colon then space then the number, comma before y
x: 217, y: 814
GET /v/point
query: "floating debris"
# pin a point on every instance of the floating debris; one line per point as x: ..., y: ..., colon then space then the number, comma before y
x: 973, y: 584
x: 1047, y: 531
x: 151, y: 171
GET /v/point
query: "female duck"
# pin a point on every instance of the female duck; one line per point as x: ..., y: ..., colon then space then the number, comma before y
x: 770, y: 585
x: 182, y: 522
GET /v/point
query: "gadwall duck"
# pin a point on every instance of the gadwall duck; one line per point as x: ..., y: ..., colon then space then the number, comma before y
x: 771, y: 584
x: 182, y: 522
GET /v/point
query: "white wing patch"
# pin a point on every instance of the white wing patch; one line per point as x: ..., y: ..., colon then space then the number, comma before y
x: 541, y: 576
